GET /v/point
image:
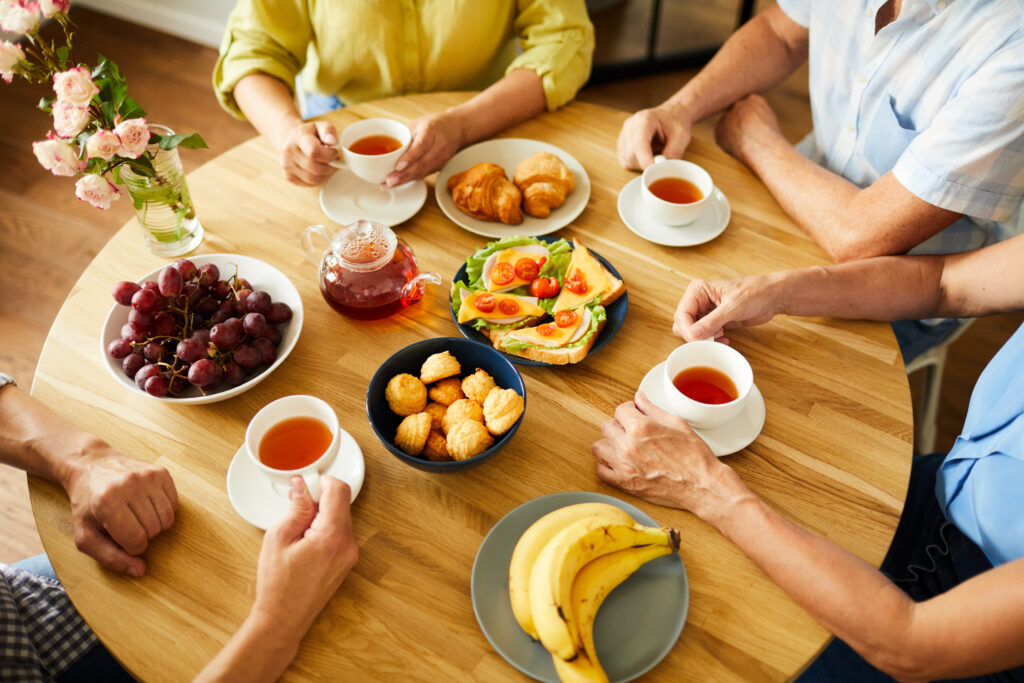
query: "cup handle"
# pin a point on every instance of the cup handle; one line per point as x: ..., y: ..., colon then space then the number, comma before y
x: 413, y: 290
x: 315, y: 253
x: 337, y: 163
x: 312, y: 480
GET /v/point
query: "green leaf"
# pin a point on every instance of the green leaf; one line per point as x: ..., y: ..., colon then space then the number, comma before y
x: 62, y: 55
x: 115, y: 174
x: 46, y: 103
x: 118, y: 92
x: 130, y: 109
x: 107, y: 109
x: 107, y: 69
x: 186, y: 140
x: 142, y: 166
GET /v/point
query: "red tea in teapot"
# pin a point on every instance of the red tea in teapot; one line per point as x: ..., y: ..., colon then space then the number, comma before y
x: 371, y: 295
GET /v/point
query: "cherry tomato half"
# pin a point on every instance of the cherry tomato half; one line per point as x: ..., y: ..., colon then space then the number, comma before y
x: 566, y: 318
x: 527, y: 269
x: 544, y: 287
x: 547, y: 329
x: 509, y: 306
x: 485, y: 302
x: 502, y: 273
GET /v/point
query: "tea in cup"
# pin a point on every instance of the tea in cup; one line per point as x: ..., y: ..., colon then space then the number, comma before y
x: 370, y: 148
x: 707, y: 383
x: 294, y: 435
x: 675, y: 192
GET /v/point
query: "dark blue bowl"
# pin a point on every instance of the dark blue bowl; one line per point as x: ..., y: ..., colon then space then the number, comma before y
x: 616, y: 313
x: 471, y: 355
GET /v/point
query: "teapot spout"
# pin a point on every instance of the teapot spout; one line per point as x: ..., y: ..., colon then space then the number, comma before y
x: 414, y: 289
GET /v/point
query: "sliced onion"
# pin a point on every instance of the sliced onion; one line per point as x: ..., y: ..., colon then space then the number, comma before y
x: 493, y: 258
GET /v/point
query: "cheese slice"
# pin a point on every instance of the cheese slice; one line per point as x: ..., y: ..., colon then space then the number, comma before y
x: 534, y: 252
x: 593, y: 274
x: 558, y: 336
x: 527, y: 307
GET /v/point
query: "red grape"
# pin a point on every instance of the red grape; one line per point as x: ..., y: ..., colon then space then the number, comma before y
x: 153, y: 352
x: 156, y: 386
x: 170, y: 282
x: 273, y: 335
x: 220, y: 316
x: 204, y: 373
x: 144, y: 373
x: 164, y: 325
x: 119, y: 348
x: 267, y: 350
x: 151, y: 286
x: 140, y: 321
x: 279, y: 312
x: 234, y: 374
x: 131, y: 333
x: 123, y: 292
x: 224, y: 335
x: 208, y: 274
x: 258, y: 302
x: 254, y: 324
x: 247, y: 356
x: 144, y: 300
x: 190, y: 350
x: 132, y: 363
x: 185, y: 268
x: 242, y: 283
x: 206, y: 306
x: 203, y: 336
x: 221, y: 289
x: 178, y: 385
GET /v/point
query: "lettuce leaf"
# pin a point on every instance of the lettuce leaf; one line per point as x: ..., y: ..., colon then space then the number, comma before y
x: 475, y: 263
x: 597, y: 316
x: 479, y: 323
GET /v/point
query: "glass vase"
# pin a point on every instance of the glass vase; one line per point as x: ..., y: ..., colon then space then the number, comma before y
x: 163, y: 205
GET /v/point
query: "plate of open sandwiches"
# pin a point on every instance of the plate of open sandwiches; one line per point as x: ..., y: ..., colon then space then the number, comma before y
x: 512, y: 187
x: 539, y: 300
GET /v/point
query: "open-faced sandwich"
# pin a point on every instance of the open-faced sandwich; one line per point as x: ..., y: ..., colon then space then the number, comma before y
x: 539, y: 300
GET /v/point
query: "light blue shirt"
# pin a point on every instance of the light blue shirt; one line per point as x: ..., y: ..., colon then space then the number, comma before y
x: 937, y: 97
x: 980, y: 485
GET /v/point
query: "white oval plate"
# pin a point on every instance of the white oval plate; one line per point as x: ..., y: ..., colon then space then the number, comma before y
x: 261, y: 275
x: 507, y: 153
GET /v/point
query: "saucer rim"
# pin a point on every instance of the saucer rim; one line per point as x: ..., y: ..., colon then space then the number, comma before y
x: 756, y: 399
x: 417, y: 186
x: 241, y: 453
x: 621, y: 201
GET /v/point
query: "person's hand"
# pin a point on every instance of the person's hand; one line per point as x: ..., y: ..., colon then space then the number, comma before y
x: 658, y: 457
x: 117, y: 505
x: 652, y: 131
x: 305, y: 557
x: 748, y: 122
x: 306, y: 152
x: 435, y: 138
x: 708, y: 308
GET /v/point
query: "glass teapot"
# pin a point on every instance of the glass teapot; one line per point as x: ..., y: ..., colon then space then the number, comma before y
x: 366, y: 271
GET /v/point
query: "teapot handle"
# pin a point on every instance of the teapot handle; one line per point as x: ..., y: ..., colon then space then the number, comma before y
x: 413, y: 290
x: 315, y: 253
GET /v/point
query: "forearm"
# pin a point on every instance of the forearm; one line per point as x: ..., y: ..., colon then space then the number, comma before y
x: 38, y: 441
x: 269, y: 106
x: 754, y: 59
x: 513, y: 99
x: 259, y: 651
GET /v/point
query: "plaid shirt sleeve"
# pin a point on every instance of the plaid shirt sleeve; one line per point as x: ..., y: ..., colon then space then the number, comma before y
x: 41, y: 634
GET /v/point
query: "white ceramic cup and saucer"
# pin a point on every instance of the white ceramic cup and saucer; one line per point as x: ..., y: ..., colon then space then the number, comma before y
x: 258, y: 492
x: 355, y: 191
x: 725, y: 427
x: 669, y: 223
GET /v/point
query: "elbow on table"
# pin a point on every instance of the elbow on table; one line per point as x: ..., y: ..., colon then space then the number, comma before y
x: 853, y: 247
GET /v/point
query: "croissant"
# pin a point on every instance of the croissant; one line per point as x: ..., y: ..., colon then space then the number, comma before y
x: 544, y: 181
x: 484, y: 192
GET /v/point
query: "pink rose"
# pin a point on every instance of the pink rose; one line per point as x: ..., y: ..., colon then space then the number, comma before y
x: 103, y: 144
x: 57, y: 157
x: 10, y: 56
x: 20, y: 17
x: 96, y: 190
x: 134, y: 135
x: 51, y: 7
x: 75, y: 86
x: 69, y: 120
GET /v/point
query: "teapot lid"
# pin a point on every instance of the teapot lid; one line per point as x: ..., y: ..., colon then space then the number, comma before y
x: 365, y: 245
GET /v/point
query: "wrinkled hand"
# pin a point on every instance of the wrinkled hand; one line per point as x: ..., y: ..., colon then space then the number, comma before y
x: 117, y: 505
x: 305, y: 557
x: 435, y: 138
x: 708, y: 308
x: 306, y: 152
x: 658, y: 457
x: 744, y: 124
x: 652, y: 131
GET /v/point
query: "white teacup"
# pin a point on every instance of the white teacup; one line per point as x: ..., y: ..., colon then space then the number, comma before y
x: 671, y: 213
x: 726, y: 360
x: 282, y: 409
x: 373, y: 168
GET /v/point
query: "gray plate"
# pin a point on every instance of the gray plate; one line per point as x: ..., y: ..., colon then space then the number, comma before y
x: 636, y: 626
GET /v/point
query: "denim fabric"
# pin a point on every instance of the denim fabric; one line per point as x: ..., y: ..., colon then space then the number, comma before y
x: 916, y: 336
x: 317, y: 104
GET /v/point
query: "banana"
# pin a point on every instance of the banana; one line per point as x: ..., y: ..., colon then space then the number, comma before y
x: 534, y: 539
x: 560, y: 560
x: 579, y: 670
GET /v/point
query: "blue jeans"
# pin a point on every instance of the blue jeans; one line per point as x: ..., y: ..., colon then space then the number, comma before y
x: 928, y: 556
x: 915, y: 337
x: 317, y: 104
x: 95, y: 665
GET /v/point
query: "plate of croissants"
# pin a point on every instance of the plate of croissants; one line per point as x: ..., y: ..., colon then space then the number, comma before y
x: 512, y: 186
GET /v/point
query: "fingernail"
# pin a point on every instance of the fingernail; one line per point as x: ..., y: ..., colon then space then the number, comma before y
x: 135, y: 571
x: 401, y: 165
x: 295, y: 491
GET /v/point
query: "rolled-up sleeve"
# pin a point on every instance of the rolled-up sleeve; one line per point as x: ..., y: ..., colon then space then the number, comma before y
x: 558, y: 44
x: 263, y: 36
x: 797, y: 10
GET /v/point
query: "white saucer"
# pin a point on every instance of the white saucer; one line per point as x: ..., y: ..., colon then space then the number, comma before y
x: 731, y: 437
x: 709, y: 226
x: 346, y: 198
x: 261, y: 504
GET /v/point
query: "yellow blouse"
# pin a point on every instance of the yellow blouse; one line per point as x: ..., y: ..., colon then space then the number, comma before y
x: 367, y: 49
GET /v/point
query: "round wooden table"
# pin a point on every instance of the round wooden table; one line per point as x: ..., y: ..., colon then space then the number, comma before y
x: 834, y: 454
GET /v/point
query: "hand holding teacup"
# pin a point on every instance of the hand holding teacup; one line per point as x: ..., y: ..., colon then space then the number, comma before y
x: 370, y: 149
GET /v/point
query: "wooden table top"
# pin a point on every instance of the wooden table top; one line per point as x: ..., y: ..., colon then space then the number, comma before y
x: 834, y: 454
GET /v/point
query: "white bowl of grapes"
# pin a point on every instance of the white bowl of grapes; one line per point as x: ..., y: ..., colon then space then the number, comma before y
x: 201, y: 329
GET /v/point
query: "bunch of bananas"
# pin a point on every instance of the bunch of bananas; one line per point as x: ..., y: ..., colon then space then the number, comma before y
x: 562, y: 569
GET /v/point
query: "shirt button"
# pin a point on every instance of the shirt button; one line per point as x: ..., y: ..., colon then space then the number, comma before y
x: 862, y: 79
x: 941, y: 4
